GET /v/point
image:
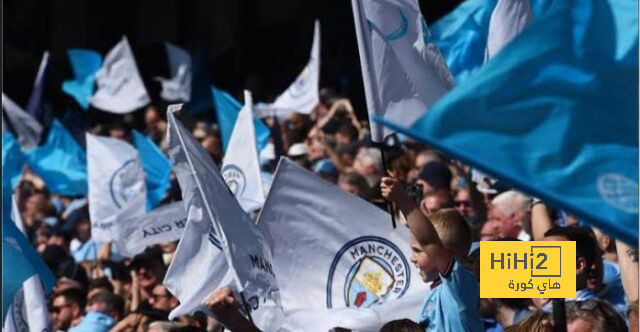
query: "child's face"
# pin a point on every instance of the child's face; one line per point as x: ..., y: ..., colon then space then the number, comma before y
x: 422, y: 261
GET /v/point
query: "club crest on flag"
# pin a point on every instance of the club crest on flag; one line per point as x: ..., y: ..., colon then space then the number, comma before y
x: 301, y: 85
x: 376, y: 270
x: 124, y: 182
x: 235, y: 179
x: 619, y: 191
x: 400, y: 32
x: 18, y: 317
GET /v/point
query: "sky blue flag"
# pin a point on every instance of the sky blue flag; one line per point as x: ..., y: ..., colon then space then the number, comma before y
x: 85, y: 64
x: 555, y: 113
x: 461, y: 36
x: 12, y: 162
x: 20, y: 261
x: 60, y: 162
x: 227, y: 109
x: 156, y: 166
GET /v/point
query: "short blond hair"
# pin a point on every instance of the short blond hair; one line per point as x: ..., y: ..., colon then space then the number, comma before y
x: 453, y: 230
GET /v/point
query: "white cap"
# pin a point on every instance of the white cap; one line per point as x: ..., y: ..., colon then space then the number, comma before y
x: 298, y: 149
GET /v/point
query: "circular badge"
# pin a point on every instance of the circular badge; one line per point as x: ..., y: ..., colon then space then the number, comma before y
x: 301, y: 85
x: 619, y: 192
x: 235, y: 179
x: 366, y: 271
x: 126, y: 182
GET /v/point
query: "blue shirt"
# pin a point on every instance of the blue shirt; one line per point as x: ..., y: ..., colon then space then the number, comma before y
x: 452, y: 303
x: 612, y: 290
x: 94, y: 321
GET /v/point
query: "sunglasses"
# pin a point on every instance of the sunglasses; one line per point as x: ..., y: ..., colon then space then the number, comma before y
x: 465, y: 203
x: 57, y: 309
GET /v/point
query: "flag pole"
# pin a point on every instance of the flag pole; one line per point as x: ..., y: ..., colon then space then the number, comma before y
x: 247, y: 308
x: 392, y: 210
x: 559, y: 315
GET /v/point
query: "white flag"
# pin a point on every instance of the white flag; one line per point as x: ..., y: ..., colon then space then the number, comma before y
x: 28, y: 311
x: 302, y: 96
x: 116, y: 180
x: 162, y: 225
x: 217, y: 228
x: 28, y: 129
x: 333, y: 250
x: 178, y: 87
x: 120, y: 87
x: 508, y: 19
x: 403, y: 71
x: 241, y: 168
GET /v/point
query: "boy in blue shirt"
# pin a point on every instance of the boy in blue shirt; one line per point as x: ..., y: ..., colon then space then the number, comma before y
x: 437, y: 242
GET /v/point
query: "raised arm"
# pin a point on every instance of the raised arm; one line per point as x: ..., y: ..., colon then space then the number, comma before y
x: 540, y: 220
x: 628, y: 261
x: 419, y: 224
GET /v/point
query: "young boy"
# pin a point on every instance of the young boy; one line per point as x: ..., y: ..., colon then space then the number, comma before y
x: 438, y: 242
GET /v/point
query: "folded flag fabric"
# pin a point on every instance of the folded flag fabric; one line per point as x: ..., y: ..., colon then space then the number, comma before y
x: 84, y: 64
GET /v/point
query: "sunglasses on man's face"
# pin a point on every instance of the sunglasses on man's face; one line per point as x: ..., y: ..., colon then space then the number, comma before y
x: 57, y: 309
x: 464, y: 203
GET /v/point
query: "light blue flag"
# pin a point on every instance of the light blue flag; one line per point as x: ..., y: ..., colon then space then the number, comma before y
x: 60, y: 162
x: 85, y: 64
x: 12, y: 162
x: 227, y: 109
x: 19, y: 262
x: 555, y: 113
x: 156, y: 166
x: 461, y: 36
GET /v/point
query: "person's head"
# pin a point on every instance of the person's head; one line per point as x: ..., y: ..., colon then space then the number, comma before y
x: 152, y: 115
x: 400, y: 167
x: 539, y: 321
x: 148, y: 268
x: 435, y: 180
x: 586, y: 249
x: 593, y: 315
x: 299, y: 153
x: 161, y: 299
x: 455, y: 234
x: 368, y: 162
x: 98, y: 285
x: 317, y: 150
x: 325, y: 169
x: 354, y: 183
x: 462, y: 202
x: 79, y: 224
x: 453, y: 230
x: 489, y: 231
x: 67, y: 306
x: 59, y: 238
x: 424, y: 157
x: 510, y: 211
x: 118, y: 130
x: 605, y: 242
x: 211, y: 143
x: 401, y: 325
x: 107, y: 303
x: 346, y: 134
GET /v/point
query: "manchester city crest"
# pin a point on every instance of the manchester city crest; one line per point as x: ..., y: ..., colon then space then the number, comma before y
x: 366, y: 271
x: 235, y: 179
x: 126, y: 182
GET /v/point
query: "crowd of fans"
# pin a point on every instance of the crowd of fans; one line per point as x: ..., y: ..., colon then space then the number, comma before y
x: 99, y: 290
